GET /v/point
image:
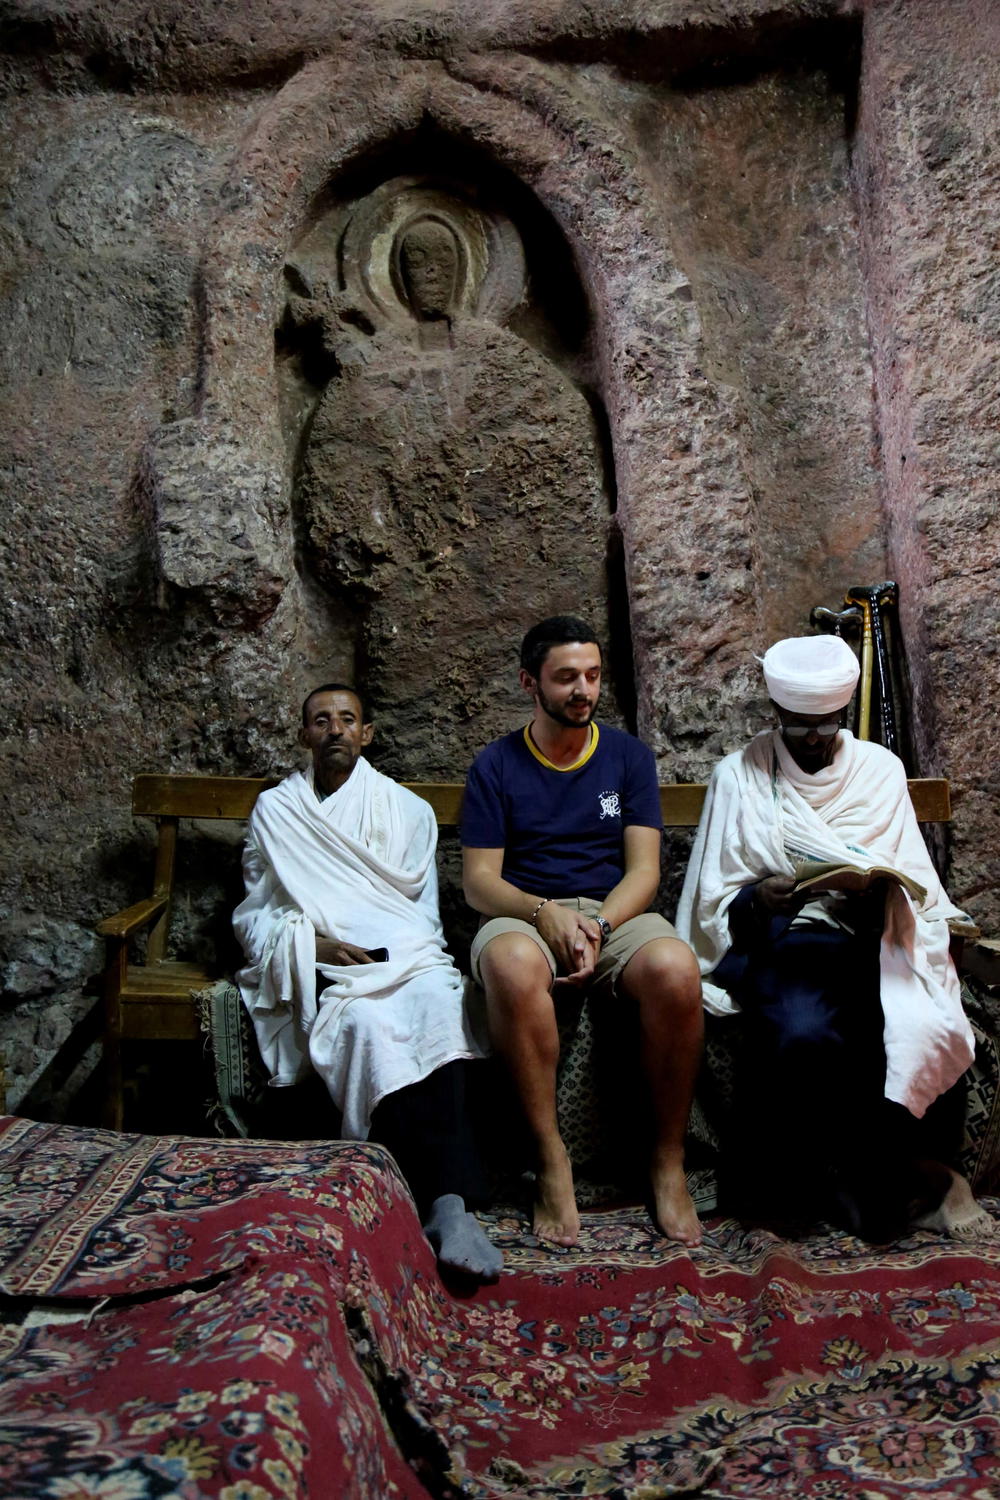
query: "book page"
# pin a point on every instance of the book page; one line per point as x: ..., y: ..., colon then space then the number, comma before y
x: 815, y: 875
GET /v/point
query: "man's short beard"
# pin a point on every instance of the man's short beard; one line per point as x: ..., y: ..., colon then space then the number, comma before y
x: 559, y: 717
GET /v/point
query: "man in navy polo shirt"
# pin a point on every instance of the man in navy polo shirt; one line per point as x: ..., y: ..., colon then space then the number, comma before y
x: 561, y: 856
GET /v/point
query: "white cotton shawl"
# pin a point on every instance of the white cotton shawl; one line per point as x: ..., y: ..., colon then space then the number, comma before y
x: 762, y: 814
x: 358, y: 866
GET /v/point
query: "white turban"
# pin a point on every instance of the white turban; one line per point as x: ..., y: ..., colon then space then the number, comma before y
x: 811, y: 674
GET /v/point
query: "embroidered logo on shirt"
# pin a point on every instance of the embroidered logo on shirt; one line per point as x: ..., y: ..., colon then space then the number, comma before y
x: 611, y: 806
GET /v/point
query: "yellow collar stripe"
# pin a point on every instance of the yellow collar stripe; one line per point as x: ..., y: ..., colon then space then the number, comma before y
x: 595, y: 735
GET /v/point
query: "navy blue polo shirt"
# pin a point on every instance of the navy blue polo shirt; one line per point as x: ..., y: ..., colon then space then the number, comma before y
x: 561, y: 830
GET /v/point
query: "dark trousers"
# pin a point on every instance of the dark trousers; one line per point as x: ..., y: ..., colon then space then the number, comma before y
x: 427, y: 1129
x: 812, y: 1134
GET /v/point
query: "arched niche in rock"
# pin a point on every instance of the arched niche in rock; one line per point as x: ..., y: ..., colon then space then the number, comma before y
x: 230, y: 525
x: 451, y: 481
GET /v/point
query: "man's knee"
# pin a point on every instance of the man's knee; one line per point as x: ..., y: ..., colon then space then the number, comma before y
x: 512, y: 965
x: 665, y: 970
x: 800, y: 1032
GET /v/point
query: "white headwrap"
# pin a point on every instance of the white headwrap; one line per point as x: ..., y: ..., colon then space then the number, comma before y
x: 811, y: 674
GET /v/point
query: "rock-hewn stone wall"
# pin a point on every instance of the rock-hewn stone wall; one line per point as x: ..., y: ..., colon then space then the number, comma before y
x: 105, y: 199
x: 230, y: 469
x: 928, y: 166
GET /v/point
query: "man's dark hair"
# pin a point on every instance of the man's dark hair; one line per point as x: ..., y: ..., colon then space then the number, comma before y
x: 335, y: 687
x: 558, y: 630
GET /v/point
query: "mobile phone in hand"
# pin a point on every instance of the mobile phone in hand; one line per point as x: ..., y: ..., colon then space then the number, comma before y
x: 378, y: 955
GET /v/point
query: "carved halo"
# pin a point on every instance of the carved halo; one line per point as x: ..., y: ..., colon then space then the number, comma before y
x: 486, y: 258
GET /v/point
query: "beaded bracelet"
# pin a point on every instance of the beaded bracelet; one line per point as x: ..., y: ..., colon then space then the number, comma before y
x: 534, y: 915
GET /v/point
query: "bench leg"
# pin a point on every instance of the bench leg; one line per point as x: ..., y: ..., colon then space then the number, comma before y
x: 114, y: 978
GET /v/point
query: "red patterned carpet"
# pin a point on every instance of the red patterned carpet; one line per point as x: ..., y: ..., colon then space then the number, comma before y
x: 261, y: 1320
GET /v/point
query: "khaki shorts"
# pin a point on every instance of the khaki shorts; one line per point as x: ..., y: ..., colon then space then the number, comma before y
x: 623, y: 944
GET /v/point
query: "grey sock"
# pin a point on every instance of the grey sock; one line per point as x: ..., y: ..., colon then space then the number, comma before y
x: 458, y: 1241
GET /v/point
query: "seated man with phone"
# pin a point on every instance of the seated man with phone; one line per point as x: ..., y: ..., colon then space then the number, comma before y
x: 347, y: 973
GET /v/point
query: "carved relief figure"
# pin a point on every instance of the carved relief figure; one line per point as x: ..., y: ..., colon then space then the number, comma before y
x: 451, y: 480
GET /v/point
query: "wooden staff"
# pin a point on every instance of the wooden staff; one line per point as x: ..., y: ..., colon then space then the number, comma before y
x: 844, y: 622
x: 865, y: 684
x: 875, y: 663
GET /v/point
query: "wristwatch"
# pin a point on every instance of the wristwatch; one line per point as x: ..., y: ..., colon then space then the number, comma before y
x: 606, y: 929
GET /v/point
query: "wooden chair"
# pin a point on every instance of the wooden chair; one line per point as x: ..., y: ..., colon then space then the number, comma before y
x: 151, y: 1000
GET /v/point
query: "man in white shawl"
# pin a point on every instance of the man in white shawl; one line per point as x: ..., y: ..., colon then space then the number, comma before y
x: 849, y: 1094
x: 347, y: 973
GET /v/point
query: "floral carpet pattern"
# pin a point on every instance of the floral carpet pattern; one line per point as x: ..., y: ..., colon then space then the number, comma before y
x: 247, y: 1320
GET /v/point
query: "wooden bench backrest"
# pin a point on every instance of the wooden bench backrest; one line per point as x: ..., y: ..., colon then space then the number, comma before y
x: 234, y: 797
x: 170, y: 798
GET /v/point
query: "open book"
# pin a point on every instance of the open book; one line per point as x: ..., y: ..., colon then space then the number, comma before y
x: 815, y: 875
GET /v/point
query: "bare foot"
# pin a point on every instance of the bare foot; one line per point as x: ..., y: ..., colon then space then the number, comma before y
x: 556, y: 1215
x: 958, y: 1213
x: 675, y: 1212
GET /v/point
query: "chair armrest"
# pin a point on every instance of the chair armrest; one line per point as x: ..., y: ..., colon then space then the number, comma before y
x: 132, y: 919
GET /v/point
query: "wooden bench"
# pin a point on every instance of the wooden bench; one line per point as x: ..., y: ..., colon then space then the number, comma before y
x: 152, y: 1000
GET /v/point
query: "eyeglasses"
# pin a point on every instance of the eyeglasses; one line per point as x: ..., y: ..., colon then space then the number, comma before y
x: 799, y: 731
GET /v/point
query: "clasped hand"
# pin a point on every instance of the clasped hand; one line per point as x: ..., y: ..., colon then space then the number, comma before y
x: 574, y: 938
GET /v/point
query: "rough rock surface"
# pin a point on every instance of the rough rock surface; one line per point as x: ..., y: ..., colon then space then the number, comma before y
x: 452, y: 500
x: 755, y: 351
x: 265, y: 41
x: 929, y: 186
